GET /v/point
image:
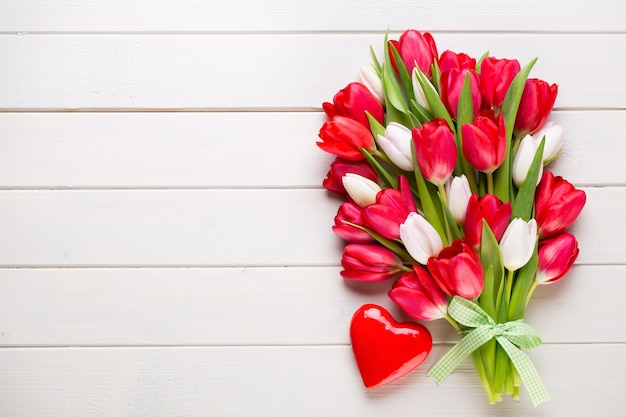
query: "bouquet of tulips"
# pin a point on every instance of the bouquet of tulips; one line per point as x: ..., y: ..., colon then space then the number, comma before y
x: 440, y: 159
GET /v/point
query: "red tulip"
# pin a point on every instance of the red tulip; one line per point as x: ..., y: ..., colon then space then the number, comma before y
x: 535, y: 106
x: 369, y: 262
x: 340, y: 167
x: 492, y: 210
x: 351, y: 213
x: 417, y: 49
x: 484, y: 141
x: 496, y: 76
x: 556, y: 257
x: 450, y: 60
x: 390, y: 47
x: 457, y: 270
x: 435, y: 150
x: 390, y: 210
x: 419, y: 296
x: 452, y: 82
x: 344, y: 137
x: 353, y: 101
x: 557, y: 204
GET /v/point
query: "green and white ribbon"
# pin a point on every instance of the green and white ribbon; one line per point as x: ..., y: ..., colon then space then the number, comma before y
x: 512, y: 336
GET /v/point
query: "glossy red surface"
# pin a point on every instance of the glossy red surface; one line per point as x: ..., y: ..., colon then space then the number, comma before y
x: 384, y: 349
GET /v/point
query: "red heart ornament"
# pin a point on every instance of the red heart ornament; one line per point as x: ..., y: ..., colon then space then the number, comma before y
x: 384, y: 349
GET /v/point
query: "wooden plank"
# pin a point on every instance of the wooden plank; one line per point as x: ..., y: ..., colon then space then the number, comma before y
x: 214, y: 150
x: 187, y: 72
x: 278, y: 381
x: 326, y: 15
x: 215, y: 228
x: 255, y: 306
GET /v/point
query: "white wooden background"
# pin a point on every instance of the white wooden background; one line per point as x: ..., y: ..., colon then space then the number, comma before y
x: 165, y: 243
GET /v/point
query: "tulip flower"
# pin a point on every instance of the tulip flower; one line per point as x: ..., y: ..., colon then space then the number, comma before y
x: 418, y: 91
x: 353, y: 101
x: 492, y: 210
x: 360, y: 189
x: 457, y: 271
x: 496, y: 76
x: 435, y: 150
x: 535, y: 106
x: 553, y: 134
x: 556, y: 257
x: 344, y: 137
x: 452, y: 82
x: 371, y: 80
x: 450, y: 60
x: 458, y: 194
x: 484, y: 141
x: 418, y: 50
x: 397, y: 143
x: 391, y: 209
x: 369, y: 262
x: 518, y: 243
x: 340, y: 167
x: 524, y: 159
x: 419, y: 296
x: 350, y: 213
x: 420, y: 238
x: 557, y: 204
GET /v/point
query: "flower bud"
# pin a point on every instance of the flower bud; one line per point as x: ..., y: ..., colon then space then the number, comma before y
x: 418, y: 91
x: 371, y: 80
x: 419, y: 296
x: 492, y: 210
x: 435, y: 150
x: 396, y: 143
x: 369, y: 262
x: 524, y: 159
x: 350, y: 213
x: 557, y: 204
x: 458, y: 193
x: 535, y: 106
x: 458, y: 271
x: 362, y: 190
x: 518, y: 243
x: 353, y: 102
x: 340, y: 167
x: 418, y: 49
x: 554, y: 139
x: 556, y: 257
x: 420, y: 238
x: 344, y: 137
x: 484, y: 141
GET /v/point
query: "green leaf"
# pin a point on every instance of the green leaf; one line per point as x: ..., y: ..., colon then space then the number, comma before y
x: 480, y: 61
x: 393, y: 93
x: 376, y: 64
x: 426, y: 194
x: 523, y: 205
x: 502, y: 177
x: 382, y: 172
x: 422, y: 114
x: 453, y: 228
x: 523, y: 281
x: 465, y: 115
x: 437, y: 108
x: 375, y: 126
x: 405, y: 77
x: 491, y: 259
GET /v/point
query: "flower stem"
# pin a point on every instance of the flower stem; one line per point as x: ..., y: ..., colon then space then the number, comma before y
x: 490, y: 183
x: 509, y: 286
x: 452, y: 322
x: 532, y: 289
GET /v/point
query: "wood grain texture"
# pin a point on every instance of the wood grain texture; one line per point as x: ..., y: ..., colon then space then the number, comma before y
x: 255, y: 306
x: 187, y: 72
x: 323, y: 15
x: 283, y: 381
x: 182, y: 150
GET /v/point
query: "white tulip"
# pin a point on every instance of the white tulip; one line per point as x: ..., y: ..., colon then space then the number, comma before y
x: 518, y: 243
x: 371, y: 80
x: 397, y: 143
x: 524, y: 159
x: 420, y: 238
x: 458, y: 193
x: 554, y: 139
x: 362, y: 190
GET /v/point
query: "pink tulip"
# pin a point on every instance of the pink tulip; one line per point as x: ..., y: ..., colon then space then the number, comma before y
x: 557, y: 204
x: 390, y: 210
x: 535, y: 106
x: 340, y: 167
x: 492, y: 210
x: 369, y: 262
x: 350, y: 213
x: 450, y: 60
x: 435, y: 150
x: 419, y: 296
x: 496, y: 76
x: 452, y: 82
x: 353, y: 101
x: 457, y: 270
x: 484, y: 141
x: 556, y: 257
x: 417, y: 49
x: 344, y: 137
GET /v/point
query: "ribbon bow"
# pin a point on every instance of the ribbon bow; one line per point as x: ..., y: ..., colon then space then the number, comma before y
x: 512, y: 336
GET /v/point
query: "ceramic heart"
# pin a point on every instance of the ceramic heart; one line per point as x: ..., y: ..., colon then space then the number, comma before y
x: 384, y: 349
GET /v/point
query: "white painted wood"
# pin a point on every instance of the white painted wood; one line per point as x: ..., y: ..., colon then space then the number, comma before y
x: 295, y: 71
x: 215, y: 228
x: 256, y: 306
x: 327, y: 15
x: 286, y: 381
x: 145, y: 150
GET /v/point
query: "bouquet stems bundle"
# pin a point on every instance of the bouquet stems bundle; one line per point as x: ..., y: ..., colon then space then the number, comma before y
x: 441, y: 162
